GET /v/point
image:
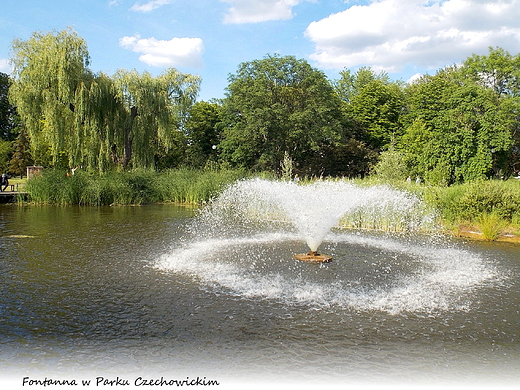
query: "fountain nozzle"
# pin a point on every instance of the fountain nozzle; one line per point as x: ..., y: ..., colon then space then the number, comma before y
x: 313, y: 257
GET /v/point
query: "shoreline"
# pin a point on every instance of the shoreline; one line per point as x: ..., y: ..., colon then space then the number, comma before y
x: 479, y: 236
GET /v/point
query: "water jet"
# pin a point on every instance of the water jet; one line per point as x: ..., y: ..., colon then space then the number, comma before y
x: 311, y: 210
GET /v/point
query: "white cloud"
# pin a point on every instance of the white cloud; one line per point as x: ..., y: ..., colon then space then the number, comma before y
x: 255, y: 11
x: 388, y: 34
x: 150, y: 6
x: 5, y: 66
x: 414, y: 78
x: 185, y: 52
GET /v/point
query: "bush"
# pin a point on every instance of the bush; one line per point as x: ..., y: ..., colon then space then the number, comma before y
x: 468, y: 202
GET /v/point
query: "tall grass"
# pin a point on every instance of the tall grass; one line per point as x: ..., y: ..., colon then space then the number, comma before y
x: 133, y: 187
x: 491, y: 225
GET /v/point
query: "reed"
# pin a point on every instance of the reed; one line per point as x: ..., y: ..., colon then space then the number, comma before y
x: 132, y: 187
x: 491, y: 225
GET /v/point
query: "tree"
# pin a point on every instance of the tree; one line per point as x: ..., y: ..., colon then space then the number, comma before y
x: 392, y: 165
x: 372, y: 105
x: 277, y: 105
x: 7, y: 110
x: 457, y: 131
x: 376, y: 109
x: 50, y: 70
x: 500, y: 72
x: 350, y: 84
x: 5, y: 152
x: 154, y: 108
x: 21, y: 157
x: 203, y: 133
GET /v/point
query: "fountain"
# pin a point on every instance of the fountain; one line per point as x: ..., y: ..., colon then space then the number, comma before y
x: 244, y: 240
x: 312, y: 209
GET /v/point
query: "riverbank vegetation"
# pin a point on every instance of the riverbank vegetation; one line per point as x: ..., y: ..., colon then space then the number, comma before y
x: 136, y: 138
x: 129, y: 188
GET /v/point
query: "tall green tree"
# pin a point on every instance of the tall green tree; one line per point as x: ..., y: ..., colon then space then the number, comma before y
x: 457, y: 131
x: 203, y: 133
x: 372, y: 105
x: 7, y: 110
x: 154, y: 108
x: 277, y: 105
x: 376, y: 110
x: 49, y: 70
x: 21, y: 156
x: 350, y: 84
x: 500, y: 72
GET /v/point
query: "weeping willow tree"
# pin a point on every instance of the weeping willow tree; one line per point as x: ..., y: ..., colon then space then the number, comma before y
x: 49, y: 70
x: 153, y: 107
x: 77, y: 118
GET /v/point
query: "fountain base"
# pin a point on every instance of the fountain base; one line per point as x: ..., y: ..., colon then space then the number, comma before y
x: 313, y: 257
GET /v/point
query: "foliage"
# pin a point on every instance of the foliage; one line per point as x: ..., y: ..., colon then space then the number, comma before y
x: 459, y: 125
x: 372, y: 105
x: 351, y: 84
x: 499, y: 72
x: 286, y: 167
x: 203, y: 133
x: 469, y: 201
x: 277, y: 105
x: 7, y: 110
x: 5, y: 152
x: 491, y: 224
x: 391, y: 165
x: 76, y: 118
x: 457, y: 131
x: 153, y: 107
x: 21, y: 157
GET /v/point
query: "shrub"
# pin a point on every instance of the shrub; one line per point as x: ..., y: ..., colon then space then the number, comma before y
x: 469, y: 201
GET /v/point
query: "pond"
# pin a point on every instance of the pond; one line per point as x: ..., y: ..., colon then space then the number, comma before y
x: 126, y: 292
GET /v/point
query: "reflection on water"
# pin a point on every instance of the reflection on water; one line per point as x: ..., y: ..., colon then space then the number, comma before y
x: 120, y: 290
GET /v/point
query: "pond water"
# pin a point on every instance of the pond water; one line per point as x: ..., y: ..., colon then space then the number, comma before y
x: 126, y: 292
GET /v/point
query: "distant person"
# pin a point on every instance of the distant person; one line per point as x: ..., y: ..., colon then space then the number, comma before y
x: 409, y: 179
x: 4, y: 182
x: 418, y: 180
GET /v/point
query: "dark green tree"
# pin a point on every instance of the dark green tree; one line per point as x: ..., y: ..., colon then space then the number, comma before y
x: 277, y: 105
x: 372, y: 106
x: 376, y: 111
x: 7, y: 110
x: 203, y: 134
x: 21, y: 157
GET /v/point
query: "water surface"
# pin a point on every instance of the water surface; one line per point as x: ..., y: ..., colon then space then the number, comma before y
x: 126, y: 291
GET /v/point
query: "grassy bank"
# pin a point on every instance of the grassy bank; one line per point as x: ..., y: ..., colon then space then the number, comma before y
x: 489, y: 208
x: 135, y: 187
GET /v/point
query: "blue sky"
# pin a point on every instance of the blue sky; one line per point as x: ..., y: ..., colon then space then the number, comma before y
x: 212, y: 37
